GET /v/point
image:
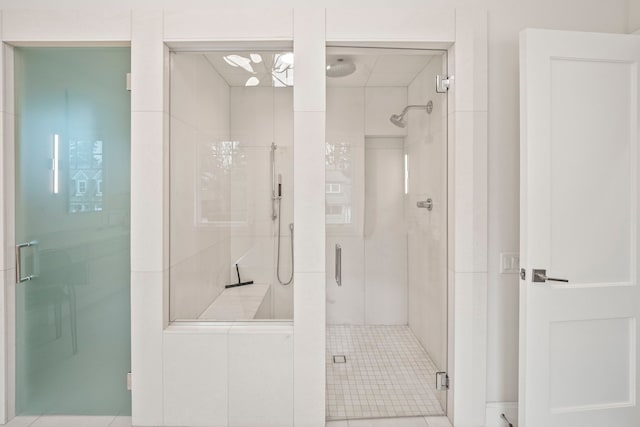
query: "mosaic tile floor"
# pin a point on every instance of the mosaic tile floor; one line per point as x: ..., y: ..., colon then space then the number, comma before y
x: 387, y: 374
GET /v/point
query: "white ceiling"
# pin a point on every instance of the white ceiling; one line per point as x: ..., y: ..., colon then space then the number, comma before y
x: 379, y: 70
x: 238, y: 76
x: 375, y: 69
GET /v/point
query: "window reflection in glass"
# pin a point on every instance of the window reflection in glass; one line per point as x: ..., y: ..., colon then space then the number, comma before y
x: 85, y: 173
x: 338, y: 187
x: 218, y: 161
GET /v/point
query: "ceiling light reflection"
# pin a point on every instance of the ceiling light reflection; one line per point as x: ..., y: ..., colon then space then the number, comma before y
x: 253, y: 81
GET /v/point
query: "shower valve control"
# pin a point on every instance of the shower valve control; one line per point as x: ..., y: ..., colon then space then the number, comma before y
x: 425, y: 204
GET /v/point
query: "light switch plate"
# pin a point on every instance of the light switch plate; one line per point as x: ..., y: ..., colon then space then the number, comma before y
x: 509, y: 263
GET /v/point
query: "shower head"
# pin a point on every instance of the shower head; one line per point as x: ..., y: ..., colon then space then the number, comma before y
x: 398, y: 119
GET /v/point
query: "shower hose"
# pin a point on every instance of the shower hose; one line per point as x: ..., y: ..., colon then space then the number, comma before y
x: 278, y: 256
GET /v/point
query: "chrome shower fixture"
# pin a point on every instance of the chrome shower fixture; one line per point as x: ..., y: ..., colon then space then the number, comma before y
x: 276, y: 186
x: 399, y: 119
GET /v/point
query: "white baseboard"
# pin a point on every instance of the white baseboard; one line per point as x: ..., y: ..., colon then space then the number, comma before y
x: 494, y: 409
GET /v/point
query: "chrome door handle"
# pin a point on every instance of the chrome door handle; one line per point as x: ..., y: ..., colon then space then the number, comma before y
x: 540, y: 276
x: 338, y: 265
x: 19, y: 247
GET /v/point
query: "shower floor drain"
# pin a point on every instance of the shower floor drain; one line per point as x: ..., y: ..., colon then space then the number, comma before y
x: 340, y: 359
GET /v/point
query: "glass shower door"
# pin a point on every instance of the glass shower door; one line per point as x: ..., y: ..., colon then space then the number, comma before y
x: 72, y: 231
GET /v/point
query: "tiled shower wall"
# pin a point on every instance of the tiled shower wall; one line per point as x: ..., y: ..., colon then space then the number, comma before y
x: 200, y: 189
x: 260, y: 116
x: 221, y: 186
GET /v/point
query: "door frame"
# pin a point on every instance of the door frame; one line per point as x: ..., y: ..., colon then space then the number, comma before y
x: 463, y: 32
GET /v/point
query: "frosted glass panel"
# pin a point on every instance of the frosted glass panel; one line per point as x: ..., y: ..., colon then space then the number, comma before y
x: 72, y: 198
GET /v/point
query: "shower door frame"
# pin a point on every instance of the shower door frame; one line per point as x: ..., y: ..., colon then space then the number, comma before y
x: 461, y: 31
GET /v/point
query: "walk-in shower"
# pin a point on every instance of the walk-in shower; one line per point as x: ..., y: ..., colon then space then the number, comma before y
x: 231, y: 185
x: 386, y: 259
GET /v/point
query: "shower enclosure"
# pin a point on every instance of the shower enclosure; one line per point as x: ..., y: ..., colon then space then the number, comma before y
x: 386, y: 225
x: 231, y: 187
x: 72, y: 231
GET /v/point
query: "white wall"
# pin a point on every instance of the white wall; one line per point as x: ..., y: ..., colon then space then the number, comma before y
x: 506, y: 20
x: 633, y: 16
x: 426, y: 148
x: 259, y: 116
x: 200, y: 188
x: 353, y: 114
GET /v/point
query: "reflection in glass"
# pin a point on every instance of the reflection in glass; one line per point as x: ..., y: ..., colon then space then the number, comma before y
x: 85, y: 176
x: 338, y: 188
x: 227, y: 110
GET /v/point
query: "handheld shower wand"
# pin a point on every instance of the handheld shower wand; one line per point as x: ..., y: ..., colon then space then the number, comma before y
x: 276, y: 204
x: 275, y: 196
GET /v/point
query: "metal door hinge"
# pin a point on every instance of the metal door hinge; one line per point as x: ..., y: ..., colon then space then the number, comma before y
x: 443, y: 83
x: 129, y: 82
x: 442, y: 381
x: 129, y: 381
x: 523, y: 274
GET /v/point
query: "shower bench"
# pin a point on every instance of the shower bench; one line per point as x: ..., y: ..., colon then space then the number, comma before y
x: 241, y: 303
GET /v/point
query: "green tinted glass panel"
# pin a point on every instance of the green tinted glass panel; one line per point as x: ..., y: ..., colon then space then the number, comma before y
x: 72, y: 217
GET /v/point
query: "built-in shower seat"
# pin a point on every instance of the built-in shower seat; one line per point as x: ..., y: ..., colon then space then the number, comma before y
x: 241, y: 303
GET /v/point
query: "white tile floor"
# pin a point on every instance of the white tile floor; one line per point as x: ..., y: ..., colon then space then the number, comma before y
x: 62, y: 421
x: 387, y: 374
x: 393, y: 422
x: 69, y: 421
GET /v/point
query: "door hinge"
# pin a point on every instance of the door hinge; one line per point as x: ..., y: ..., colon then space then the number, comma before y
x: 129, y: 82
x: 129, y: 381
x: 442, y: 381
x: 443, y: 83
x: 523, y: 274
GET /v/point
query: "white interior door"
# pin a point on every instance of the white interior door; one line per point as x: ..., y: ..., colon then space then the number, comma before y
x: 579, y: 222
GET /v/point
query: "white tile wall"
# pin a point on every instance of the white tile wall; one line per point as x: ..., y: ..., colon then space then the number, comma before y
x: 260, y: 376
x: 147, y: 44
x: 427, y: 24
x: 260, y: 116
x: 195, y: 24
x: 385, y: 233
x: 471, y: 184
x: 195, y: 377
x: 470, y: 295
x: 471, y: 72
x: 309, y: 211
x: 200, y: 252
x: 380, y: 104
x: 146, y: 347
x: 309, y: 47
x: 379, y: 292
x: 67, y: 25
x: 309, y: 361
x: 146, y: 184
